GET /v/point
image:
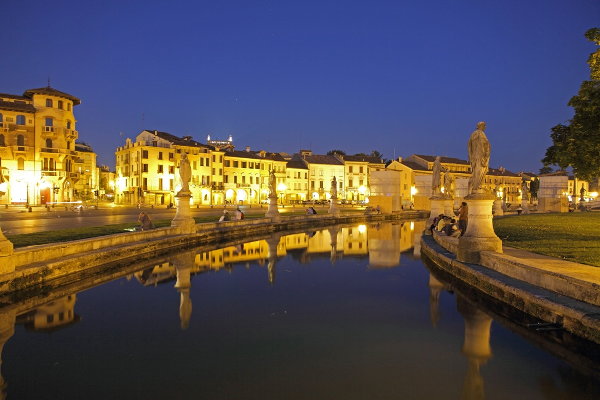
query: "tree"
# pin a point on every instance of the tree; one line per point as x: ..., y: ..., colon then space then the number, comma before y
x: 334, y: 152
x: 577, y: 144
x: 376, y: 154
x: 545, y: 170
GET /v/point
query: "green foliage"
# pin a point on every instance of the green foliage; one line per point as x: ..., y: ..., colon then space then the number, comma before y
x: 534, y: 186
x: 546, y: 170
x: 577, y: 144
x: 570, y: 236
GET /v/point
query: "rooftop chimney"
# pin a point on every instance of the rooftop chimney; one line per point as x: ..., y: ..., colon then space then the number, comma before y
x: 248, y: 149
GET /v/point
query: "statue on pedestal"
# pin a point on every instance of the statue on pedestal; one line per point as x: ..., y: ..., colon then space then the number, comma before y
x: 479, y: 158
x: 185, y: 173
x: 272, y: 183
x: 334, y: 188
x: 448, y: 184
x: 524, y: 191
x: 436, y: 178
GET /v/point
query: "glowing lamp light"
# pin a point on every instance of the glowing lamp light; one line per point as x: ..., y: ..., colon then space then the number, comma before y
x: 413, y: 190
x: 242, y: 195
x: 593, y: 194
x: 362, y: 228
x: 327, y: 196
x: 229, y: 194
x: 362, y: 189
x: 412, y: 226
x: 315, y: 195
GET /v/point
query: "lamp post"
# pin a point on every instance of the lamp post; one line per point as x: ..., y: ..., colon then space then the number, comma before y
x: 282, y: 187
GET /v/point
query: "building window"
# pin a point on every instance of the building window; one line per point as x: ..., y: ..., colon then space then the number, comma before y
x: 68, y: 106
x: 20, y: 140
x: 48, y: 102
x: 144, y: 167
x: 226, y: 179
x: 68, y: 145
x: 349, y: 182
x: 243, y: 164
x: 49, y: 143
x: 235, y: 179
x: 145, y: 154
x: 49, y: 121
x: 2, y: 142
x: 227, y: 163
x: 321, y: 184
x: 235, y: 164
x: 350, y: 169
x: 160, y: 184
x: 20, y: 120
x: 160, y: 169
x: 145, y: 184
x: 68, y: 165
x: 160, y: 155
x: 361, y: 170
x: 171, y: 169
x: 1, y: 119
x: 20, y: 164
x: 68, y: 124
x: 171, y: 184
x: 60, y: 104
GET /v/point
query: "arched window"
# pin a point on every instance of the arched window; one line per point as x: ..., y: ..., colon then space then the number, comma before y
x: 68, y: 165
x: 20, y: 163
x: 2, y: 142
x: 48, y: 102
x: 60, y: 104
x: 68, y: 145
x: 20, y: 140
x: 20, y: 120
x: 49, y: 143
x: 68, y: 106
x: 68, y: 124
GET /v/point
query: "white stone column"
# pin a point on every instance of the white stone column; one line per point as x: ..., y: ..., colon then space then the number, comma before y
x: 183, y: 216
x: 480, y: 233
x: 272, y: 211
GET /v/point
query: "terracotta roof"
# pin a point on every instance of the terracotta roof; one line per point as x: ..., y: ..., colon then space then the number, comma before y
x: 12, y: 106
x: 369, y: 159
x: 501, y: 172
x: 450, y: 160
x: 414, y: 166
x: 297, y: 163
x: 177, y: 140
x: 557, y: 173
x: 13, y: 96
x: 323, y: 159
x: 51, y: 92
x: 243, y: 154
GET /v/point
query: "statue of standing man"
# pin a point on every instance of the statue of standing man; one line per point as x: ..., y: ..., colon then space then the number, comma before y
x: 272, y: 183
x: 185, y: 173
x: 333, y: 191
x: 436, y: 179
x: 479, y: 158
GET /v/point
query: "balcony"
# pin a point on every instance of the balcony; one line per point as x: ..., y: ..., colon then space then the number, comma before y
x: 217, y: 186
x: 48, y: 129
x: 71, y: 134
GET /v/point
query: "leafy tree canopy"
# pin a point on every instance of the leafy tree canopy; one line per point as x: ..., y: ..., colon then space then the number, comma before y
x: 334, y: 152
x: 577, y: 144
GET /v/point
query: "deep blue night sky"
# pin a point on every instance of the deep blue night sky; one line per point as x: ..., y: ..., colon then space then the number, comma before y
x: 398, y: 77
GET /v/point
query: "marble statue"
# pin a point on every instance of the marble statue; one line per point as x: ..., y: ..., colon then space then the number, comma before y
x: 334, y: 188
x: 436, y: 179
x: 524, y: 191
x: 448, y: 183
x: 185, y: 173
x: 479, y: 158
x: 272, y: 183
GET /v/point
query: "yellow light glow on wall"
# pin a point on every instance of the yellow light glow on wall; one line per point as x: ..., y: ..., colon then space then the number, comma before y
x: 413, y: 190
x: 242, y: 195
x: 362, y: 228
x: 362, y: 189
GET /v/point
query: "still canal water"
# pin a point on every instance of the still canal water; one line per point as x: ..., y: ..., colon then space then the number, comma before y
x: 344, y: 313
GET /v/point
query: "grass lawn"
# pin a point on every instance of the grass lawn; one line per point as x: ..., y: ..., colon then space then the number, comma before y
x: 570, y: 236
x: 65, y: 235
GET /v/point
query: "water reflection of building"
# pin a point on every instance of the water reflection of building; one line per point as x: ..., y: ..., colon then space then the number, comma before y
x: 51, y: 316
x: 384, y: 245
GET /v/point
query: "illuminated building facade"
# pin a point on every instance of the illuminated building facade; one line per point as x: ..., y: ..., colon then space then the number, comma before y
x: 37, y: 147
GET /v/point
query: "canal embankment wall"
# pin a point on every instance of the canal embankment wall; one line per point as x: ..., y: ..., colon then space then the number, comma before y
x: 37, y: 265
x: 559, y: 292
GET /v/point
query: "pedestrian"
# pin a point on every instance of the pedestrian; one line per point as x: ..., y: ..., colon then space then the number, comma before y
x: 145, y: 222
x: 463, y: 217
x: 239, y: 215
x: 225, y: 216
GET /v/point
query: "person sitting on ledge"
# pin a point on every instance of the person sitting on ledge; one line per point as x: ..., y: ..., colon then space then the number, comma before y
x: 225, y: 216
x: 145, y: 222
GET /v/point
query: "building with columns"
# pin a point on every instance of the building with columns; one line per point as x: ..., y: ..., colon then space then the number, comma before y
x: 38, y: 157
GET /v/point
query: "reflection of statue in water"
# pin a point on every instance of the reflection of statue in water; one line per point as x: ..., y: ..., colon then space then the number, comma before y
x: 448, y: 184
x: 185, y: 173
x: 479, y: 158
x: 272, y: 183
x: 334, y: 188
x: 436, y: 178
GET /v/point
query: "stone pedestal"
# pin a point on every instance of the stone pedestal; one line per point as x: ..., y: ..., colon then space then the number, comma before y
x: 525, y: 206
x: 272, y: 211
x: 183, y: 216
x: 498, y: 207
x: 333, y: 207
x: 437, y: 208
x: 7, y: 263
x: 480, y: 235
x: 449, y: 207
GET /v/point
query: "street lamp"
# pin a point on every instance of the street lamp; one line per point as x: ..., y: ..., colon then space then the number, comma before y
x: 282, y: 187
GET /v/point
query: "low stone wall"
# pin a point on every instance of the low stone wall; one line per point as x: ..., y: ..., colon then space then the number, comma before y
x: 36, y: 265
x: 529, y: 291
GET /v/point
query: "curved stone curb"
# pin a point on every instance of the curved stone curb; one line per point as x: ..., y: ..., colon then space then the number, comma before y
x: 578, y: 317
